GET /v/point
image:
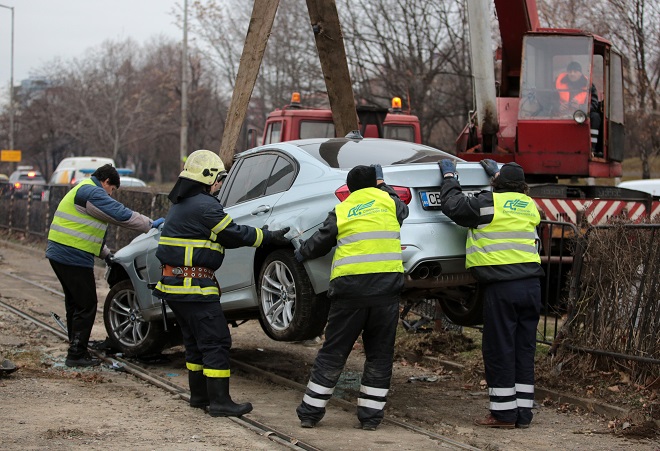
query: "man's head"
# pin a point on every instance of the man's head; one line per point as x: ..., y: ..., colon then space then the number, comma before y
x: 361, y: 177
x: 109, y: 178
x: 574, y: 70
x: 511, y: 178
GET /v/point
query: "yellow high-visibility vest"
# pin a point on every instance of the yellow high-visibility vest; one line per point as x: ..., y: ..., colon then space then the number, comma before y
x: 510, y: 238
x: 73, y: 228
x: 369, y: 238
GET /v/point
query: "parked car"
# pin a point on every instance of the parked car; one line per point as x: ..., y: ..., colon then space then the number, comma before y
x: 26, y: 180
x: 296, y: 184
x: 651, y: 186
x: 131, y: 182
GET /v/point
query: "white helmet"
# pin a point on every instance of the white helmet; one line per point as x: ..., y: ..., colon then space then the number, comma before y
x: 203, y: 166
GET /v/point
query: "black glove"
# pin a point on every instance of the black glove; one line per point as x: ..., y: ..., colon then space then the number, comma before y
x: 490, y: 166
x: 109, y: 258
x: 379, y: 171
x: 298, y: 256
x: 447, y: 166
x: 277, y: 237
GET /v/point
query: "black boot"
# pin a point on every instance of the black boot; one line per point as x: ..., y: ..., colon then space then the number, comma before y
x: 78, y: 354
x: 221, y: 403
x: 199, y: 395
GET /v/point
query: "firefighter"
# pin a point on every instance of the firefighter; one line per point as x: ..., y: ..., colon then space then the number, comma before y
x: 365, y: 286
x: 573, y: 93
x: 76, y: 236
x: 191, y: 249
x: 502, y: 255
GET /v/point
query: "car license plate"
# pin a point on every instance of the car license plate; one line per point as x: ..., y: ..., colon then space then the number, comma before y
x: 430, y: 199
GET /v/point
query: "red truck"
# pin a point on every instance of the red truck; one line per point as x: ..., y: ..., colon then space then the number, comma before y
x: 295, y: 121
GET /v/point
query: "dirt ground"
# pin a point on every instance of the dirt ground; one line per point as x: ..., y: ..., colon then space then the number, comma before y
x: 49, y: 406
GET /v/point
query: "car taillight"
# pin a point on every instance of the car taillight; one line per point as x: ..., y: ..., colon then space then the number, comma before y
x: 73, y: 181
x: 404, y: 193
x: 17, y: 185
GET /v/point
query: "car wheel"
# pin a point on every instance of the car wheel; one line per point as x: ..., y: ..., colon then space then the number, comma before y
x: 127, y: 330
x: 289, y: 310
x: 463, y: 305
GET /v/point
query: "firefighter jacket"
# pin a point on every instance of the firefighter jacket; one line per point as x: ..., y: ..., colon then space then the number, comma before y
x: 367, y: 269
x: 77, y: 232
x: 196, y: 233
x: 502, y: 231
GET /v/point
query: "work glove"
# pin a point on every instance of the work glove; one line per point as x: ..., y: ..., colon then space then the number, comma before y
x: 379, y: 171
x: 277, y: 236
x: 447, y: 166
x: 490, y: 166
x: 109, y: 259
x: 157, y: 223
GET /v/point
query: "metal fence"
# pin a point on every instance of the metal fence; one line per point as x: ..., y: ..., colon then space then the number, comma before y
x: 31, y: 213
x: 615, y: 297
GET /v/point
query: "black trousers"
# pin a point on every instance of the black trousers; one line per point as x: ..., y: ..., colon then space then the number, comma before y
x: 378, y: 328
x: 511, y: 316
x: 206, y: 336
x: 80, y: 300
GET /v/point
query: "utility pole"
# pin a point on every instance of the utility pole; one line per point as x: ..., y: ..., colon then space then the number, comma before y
x: 11, y: 83
x: 183, y: 151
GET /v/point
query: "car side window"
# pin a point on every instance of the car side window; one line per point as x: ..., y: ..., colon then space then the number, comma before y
x: 281, y: 177
x: 251, y: 179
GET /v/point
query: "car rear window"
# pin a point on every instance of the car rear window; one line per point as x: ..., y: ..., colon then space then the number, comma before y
x: 345, y: 153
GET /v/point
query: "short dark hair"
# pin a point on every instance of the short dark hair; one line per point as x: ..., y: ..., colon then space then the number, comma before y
x: 109, y: 173
x: 509, y: 186
x: 574, y: 65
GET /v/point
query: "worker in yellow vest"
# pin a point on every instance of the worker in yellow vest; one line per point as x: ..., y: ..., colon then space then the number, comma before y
x: 366, y: 281
x: 75, y: 237
x: 501, y: 253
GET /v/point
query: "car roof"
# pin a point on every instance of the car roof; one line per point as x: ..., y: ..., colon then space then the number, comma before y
x: 345, y: 153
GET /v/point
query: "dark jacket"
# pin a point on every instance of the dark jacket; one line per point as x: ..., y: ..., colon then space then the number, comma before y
x: 202, y: 217
x: 467, y: 212
x: 363, y: 290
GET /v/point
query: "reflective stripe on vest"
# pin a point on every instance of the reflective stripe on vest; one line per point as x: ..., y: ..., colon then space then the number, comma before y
x: 565, y: 93
x: 369, y: 239
x: 509, y: 238
x: 189, y: 245
x: 75, y: 229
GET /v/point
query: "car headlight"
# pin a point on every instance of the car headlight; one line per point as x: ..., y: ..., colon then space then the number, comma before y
x: 579, y: 116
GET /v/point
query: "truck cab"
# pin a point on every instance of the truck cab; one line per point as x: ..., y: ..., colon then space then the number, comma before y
x: 297, y: 122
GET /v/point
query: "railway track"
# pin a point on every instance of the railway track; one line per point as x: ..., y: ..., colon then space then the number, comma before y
x: 272, y: 432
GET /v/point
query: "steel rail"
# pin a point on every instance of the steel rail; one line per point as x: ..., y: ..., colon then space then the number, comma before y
x: 249, y: 423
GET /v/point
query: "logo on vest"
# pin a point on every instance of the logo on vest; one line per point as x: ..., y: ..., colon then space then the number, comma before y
x: 515, y: 204
x: 361, y: 209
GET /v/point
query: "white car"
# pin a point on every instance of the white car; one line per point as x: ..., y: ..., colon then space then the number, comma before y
x: 296, y: 184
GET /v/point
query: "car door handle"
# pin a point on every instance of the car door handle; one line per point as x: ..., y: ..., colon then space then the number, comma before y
x: 260, y: 210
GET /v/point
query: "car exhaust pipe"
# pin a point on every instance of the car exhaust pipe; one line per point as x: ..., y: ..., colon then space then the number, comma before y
x: 421, y: 272
x: 436, y: 270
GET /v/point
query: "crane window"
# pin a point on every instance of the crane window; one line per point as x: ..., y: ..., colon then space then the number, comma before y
x: 316, y: 129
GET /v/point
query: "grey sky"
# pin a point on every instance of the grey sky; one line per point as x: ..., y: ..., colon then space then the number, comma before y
x: 47, y: 29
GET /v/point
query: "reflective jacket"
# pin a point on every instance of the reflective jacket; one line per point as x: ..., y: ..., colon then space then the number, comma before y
x: 350, y: 286
x: 499, y: 237
x: 509, y: 238
x: 196, y: 233
x: 75, y: 228
x: 369, y: 238
x: 572, y: 91
x: 66, y: 241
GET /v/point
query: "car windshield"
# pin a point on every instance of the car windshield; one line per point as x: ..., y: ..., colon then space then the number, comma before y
x: 345, y: 153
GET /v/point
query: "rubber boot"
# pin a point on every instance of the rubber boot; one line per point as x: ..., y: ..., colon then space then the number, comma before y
x: 78, y: 354
x: 221, y: 403
x: 199, y: 395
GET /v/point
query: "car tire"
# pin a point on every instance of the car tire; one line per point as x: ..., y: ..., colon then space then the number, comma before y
x: 463, y: 305
x: 289, y: 310
x: 126, y: 329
